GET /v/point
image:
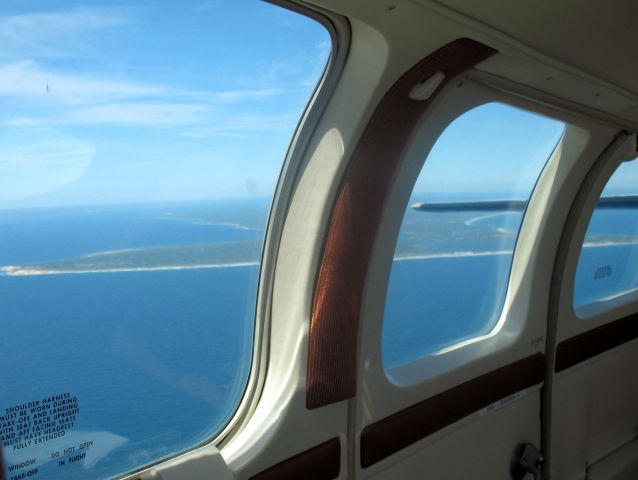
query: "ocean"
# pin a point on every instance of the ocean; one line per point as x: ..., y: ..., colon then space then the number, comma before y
x: 107, y: 371
x: 156, y: 360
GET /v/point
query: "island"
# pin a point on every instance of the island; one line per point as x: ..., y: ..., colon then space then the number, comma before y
x: 174, y: 257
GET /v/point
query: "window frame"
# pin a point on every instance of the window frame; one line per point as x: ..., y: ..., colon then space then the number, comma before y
x: 622, y: 146
x: 589, y: 310
x: 505, y: 337
x: 288, y: 177
x: 518, y: 335
x: 498, y: 322
x: 379, y: 397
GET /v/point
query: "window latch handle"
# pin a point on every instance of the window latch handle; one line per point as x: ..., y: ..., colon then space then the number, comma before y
x: 527, y: 459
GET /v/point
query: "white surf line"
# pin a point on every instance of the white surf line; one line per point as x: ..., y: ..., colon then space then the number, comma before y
x: 15, y: 270
x: 470, y: 253
x: 472, y: 221
x: 609, y: 243
x: 26, y: 271
x: 208, y: 223
x: 238, y: 226
x: 111, y: 252
x: 452, y: 255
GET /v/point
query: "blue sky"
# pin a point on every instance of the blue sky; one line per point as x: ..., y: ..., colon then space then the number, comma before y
x: 496, y: 151
x: 149, y: 101
x: 624, y: 181
x: 183, y: 101
x: 493, y: 151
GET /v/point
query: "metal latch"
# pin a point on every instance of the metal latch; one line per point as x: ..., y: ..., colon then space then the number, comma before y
x: 527, y: 459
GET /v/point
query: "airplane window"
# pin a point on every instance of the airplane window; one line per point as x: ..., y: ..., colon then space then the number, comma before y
x: 454, y: 252
x: 606, y: 265
x: 140, y: 146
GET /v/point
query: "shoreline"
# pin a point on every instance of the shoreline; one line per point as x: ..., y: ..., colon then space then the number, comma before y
x: 13, y: 271
x: 432, y: 256
x: 18, y: 271
x: 609, y: 243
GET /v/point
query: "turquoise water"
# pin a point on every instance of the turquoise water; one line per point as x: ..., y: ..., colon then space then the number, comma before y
x: 606, y: 270
x: 151, y: 363
x: 159, y: 359
x: 156, y: 360
x: 433, y: 303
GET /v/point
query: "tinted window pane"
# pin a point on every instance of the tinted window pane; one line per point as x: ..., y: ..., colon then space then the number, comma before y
x: 606, y: 266
x: 140, y: 145
x: 454, y: 252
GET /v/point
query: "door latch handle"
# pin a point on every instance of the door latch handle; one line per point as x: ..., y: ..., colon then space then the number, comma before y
x: 527, y: 459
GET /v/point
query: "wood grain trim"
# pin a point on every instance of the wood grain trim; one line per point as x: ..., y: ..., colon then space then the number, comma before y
x: 355, y: 221
x: 319, y: 463
x: 391, y: 434
x: 582, y: 347
x: 3, y: 470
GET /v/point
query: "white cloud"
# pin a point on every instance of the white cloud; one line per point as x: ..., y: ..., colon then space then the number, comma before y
x: 39, y: 32
x: 136, y: 113
x: 26, y: 79
x: 23, y: 122
x: 47, y: 97
x: 244, y: 95
x: 243, y: 125
x: 141, y: 114
x: 40, y: 24
x: 210, y: 5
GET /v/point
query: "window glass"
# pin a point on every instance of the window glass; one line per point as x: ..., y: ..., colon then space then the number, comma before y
x: 454, y: 252
x: 606, y: 266
x: 140, y: 145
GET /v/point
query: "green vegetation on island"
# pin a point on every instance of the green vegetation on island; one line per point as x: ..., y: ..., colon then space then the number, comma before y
x: 153, y: 258
x: 423, y: 235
